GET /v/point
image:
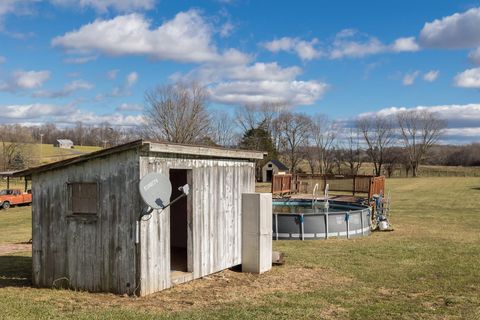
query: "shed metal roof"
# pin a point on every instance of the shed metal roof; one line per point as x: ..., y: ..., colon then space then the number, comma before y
x: 279, y: 164
x: 68, y: 141
x: 173, y: 148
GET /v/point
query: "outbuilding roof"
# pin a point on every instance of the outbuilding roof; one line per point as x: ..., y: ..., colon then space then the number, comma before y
x: 66, y: 141
x: 172, y: 148
x: 279, y: 164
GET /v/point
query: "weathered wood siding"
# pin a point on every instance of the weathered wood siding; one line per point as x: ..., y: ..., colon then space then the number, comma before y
x: 216, y: 195
x: 95, y: 253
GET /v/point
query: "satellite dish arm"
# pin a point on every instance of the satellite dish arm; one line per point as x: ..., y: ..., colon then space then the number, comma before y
x: 185, y: 191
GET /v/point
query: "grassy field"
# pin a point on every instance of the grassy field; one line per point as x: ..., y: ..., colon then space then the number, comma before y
x: 428, y: 268
x: 45, y: 153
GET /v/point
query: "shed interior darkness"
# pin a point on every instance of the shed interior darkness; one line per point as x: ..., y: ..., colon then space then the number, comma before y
x: 178, y: 223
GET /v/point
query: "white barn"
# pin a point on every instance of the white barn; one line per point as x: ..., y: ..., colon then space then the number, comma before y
x: 63, y: 143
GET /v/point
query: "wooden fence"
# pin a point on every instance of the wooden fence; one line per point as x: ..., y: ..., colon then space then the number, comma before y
x: 282, y: 184
x: 358, y: 184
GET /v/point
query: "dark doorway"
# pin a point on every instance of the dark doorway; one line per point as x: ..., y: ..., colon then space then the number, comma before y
x: 269, y: 175
x: 179, y: 217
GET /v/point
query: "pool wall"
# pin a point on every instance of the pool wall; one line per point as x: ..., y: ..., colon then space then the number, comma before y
x: 351, y: 223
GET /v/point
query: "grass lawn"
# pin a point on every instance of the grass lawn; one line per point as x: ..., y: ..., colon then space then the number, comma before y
x: 428, y: 268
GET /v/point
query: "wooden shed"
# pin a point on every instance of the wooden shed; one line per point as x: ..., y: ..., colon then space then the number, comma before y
x: 86, y: 229
x: 272, y: 168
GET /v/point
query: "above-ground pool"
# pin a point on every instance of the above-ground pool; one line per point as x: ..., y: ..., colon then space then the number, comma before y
x: 299, y: 219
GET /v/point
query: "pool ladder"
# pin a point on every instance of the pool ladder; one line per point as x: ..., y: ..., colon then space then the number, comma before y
x: 314, y: 195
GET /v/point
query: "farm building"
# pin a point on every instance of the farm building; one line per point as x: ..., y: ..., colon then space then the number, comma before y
x: 271, y: 168
x: 87, y: 231
x: 63, y: 143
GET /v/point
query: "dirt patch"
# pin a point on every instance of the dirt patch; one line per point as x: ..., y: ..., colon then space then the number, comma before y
x: 230, y: 286
x: 225, y: 287
x: 14, y: 247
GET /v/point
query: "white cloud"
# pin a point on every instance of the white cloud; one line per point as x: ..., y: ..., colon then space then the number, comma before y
x: 114, y: 119
x: 68, y: 89
x: 256, y: 84
x: 469, y: 78
x: 29, y: 79
x: 431, y: 75
x: 405, y: 45
x: 104, y: 5
x: 132, y: 78
x: 226, y: 29
x: 2, y: 59
x: 185, y: 38
x: 351, y: 44
x: 348, y: 43
x: 19, y: 35
x: 474, y: 56
x: 255, y: 72
x: 460, y: 30
x: 465, y: 112
x: 17, y: 7
x: 33, y: 111
x: 63, y: 114
x: 25, y: 80
x: 129, y: 107
x: 120, y: 90
x: 80, y: 60
x: 409, y: 78
x: 112, y: 74
x: 289, y: 93
x: 304, y: 49
x: 463, y: 121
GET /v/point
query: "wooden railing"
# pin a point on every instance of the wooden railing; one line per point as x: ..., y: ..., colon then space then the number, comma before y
x: 357, y: 184
x: 282, y: 184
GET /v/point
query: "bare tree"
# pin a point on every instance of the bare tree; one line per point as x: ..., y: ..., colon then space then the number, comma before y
x: 378, y: 133
x: 311, y: 155
x: 250, y: 117
x: 223, y: 130
x: 351, y: 153
x: 13, y: 146
x: 295, y: 129
x: 177, y: 113
x: 419, y: 130
x: 323, y: 137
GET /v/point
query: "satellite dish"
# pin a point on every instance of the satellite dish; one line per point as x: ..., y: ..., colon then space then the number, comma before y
x: 155, y: 189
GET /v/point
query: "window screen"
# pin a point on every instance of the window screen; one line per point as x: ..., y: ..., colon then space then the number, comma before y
x: 83, y: 198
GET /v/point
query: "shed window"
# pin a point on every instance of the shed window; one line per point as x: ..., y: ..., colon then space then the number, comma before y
x: 83, y: 198
x: 269, y: 165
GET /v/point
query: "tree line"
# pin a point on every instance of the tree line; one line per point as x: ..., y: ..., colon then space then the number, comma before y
x: 178, y: 113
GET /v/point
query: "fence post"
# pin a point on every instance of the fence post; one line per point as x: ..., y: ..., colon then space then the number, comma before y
x: 354, y: 185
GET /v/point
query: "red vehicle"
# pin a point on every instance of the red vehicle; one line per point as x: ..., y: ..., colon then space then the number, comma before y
x: 11, y: 197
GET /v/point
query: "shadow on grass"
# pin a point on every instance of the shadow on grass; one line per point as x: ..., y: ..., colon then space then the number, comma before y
x: 475, y: 188
x: 15, y: 271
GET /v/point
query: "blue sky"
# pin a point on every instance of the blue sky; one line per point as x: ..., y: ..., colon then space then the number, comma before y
x: 63, y: 61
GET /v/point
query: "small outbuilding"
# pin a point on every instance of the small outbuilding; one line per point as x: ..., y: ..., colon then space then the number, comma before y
x: 88, y: 233
x: 271, y: 168
x: 63, y: 143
